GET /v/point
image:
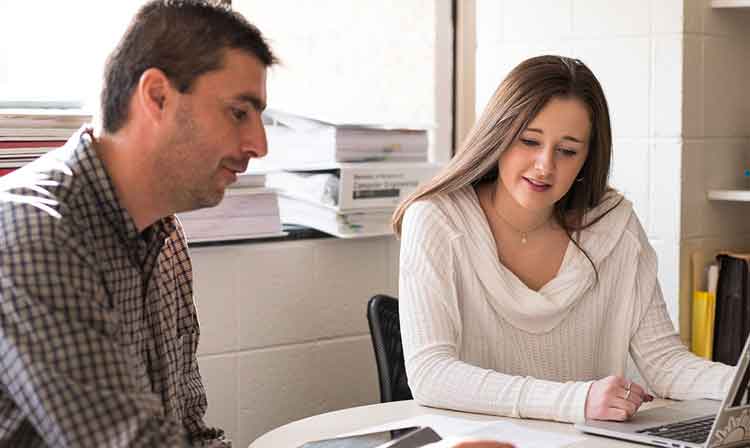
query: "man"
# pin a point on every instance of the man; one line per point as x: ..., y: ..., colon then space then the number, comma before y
x: 98, y: 329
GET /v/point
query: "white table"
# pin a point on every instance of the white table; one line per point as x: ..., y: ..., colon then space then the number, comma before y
x: 334, y: 423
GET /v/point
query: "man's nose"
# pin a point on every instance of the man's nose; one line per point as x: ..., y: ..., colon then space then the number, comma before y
x: 254, y: 139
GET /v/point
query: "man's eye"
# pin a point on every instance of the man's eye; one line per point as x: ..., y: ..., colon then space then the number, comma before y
x: 239, y: 114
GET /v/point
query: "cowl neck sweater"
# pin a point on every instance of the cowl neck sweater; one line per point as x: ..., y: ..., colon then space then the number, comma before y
x: 530, y: 310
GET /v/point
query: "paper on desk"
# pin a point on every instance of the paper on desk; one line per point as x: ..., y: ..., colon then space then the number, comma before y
x: 444, y: 426
x: 502, y: 431
x: 523, y: 437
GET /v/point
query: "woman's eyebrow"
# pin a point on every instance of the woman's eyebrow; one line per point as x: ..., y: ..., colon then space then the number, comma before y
x: 564, y: 137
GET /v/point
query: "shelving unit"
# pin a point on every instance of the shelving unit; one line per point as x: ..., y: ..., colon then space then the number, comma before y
x: 729, y: 195
x: 730, y: 3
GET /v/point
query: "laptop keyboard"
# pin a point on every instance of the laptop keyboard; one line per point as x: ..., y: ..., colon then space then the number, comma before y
x: 695, y: 431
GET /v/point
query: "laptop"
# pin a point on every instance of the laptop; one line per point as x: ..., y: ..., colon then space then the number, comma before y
x: 690, y: 424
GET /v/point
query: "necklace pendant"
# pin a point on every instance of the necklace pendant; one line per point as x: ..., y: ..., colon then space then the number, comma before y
x: 523, y: 238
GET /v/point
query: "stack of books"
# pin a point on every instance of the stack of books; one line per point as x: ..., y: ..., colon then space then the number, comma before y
x: 28, y: 134
x: 16, y: 153
x: 296, y: 140
x: 345, y: 180
x: 249, y: 210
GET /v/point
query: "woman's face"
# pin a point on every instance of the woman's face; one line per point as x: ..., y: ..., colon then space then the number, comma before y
x: 538, y: 169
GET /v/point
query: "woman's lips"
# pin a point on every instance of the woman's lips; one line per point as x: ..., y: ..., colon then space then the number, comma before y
x: 536, y: 185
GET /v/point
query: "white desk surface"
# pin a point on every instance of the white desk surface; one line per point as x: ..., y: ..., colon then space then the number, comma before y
x: 334, y: 423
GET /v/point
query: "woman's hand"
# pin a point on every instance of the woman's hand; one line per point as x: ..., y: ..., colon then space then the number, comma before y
x: 614, y: 398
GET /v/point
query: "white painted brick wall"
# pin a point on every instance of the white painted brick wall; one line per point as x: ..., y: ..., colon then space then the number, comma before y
x: 636, y: 49
x: 675, y: 75
x: 284, y: 332
x: 716, y: 127
x: 351, y: 61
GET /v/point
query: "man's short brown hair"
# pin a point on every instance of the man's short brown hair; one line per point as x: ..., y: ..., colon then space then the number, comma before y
x: 184, y: 39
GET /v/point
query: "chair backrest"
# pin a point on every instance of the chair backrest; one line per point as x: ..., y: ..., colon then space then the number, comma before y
x: 385, y: 330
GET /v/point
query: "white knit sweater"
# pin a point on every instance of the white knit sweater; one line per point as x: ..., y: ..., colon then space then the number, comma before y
x: 477, y: 339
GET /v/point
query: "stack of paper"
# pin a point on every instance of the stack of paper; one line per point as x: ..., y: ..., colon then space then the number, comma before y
x: 342, y: 225
x: 40, y: 124
x: 26, y: 134
x: 244, y: 213
x: 342, y: 179
x: 297, y: 140
x: 15, y: 154
x: 347, y: 200
x: 504, y: 430
x: 250, y: 180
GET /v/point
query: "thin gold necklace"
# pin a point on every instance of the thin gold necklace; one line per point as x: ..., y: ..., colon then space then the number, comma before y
x: 524, y: 233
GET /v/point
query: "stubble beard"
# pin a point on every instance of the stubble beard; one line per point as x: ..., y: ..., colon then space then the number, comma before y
x: 186, y: 180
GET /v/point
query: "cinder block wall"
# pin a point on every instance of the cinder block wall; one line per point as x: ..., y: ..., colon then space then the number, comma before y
x: 284, y: 330
x: 635, y: 49
x: 284, y: 333
x: 716, y: 136
x: 675, y: 75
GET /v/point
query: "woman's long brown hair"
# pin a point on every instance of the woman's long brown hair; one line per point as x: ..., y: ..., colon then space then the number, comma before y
x: 515, y: 103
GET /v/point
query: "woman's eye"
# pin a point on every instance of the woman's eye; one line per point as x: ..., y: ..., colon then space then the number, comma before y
x: 567, y: 152
x: 529, y: 142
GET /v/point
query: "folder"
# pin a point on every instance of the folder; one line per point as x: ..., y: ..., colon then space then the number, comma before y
x: 704, y: 311
x: 703, y: 306
x: 350, y: 187
x: 731, y: 327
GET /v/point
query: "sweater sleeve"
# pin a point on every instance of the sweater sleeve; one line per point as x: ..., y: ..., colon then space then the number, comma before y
x: 431, y: 329
x: 669, y: 368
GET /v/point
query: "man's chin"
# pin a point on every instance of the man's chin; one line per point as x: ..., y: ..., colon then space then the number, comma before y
x: 214, y: 199
x: 207, y: 200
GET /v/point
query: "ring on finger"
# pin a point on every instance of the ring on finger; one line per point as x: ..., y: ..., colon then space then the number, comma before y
x: 627, y: 395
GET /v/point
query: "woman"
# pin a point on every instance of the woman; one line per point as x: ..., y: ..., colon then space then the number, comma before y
x: 525, y: 280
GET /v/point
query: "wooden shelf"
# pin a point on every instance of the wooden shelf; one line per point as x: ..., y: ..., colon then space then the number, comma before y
x: 730, y: 3
x: 729, y: 195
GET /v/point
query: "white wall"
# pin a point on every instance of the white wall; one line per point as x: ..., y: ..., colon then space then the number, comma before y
x: 634, y: 47
x: 284, y: 332
x: 716, y: 141
x: 363, y: 62
x: 676, y: 76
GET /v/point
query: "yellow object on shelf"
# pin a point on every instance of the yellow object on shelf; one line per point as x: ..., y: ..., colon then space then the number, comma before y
x: 704, y: 312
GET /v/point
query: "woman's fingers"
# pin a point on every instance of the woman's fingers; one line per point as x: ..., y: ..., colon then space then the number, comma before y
x: 615, y: 398
x: 628, y: 406
x: 615, y: 414
x: 632, y: 396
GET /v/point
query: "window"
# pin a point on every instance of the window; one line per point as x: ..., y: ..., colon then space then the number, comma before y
x: 387, y: 62
x: 361, y: 61
x: 52, y: 52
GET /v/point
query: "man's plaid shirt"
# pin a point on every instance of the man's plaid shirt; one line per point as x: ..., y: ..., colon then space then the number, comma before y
x: 98, y: 329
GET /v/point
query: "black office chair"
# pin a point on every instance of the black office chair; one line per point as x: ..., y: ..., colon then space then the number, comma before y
x: 382, y: 314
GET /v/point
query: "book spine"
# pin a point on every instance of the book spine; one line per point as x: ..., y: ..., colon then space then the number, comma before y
x: 24, y: 144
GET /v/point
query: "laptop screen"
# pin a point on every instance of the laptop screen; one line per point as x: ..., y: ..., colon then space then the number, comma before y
x: 732, y: 425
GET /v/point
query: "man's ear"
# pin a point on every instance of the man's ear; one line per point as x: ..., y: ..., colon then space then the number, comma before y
x: 154, y: 92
